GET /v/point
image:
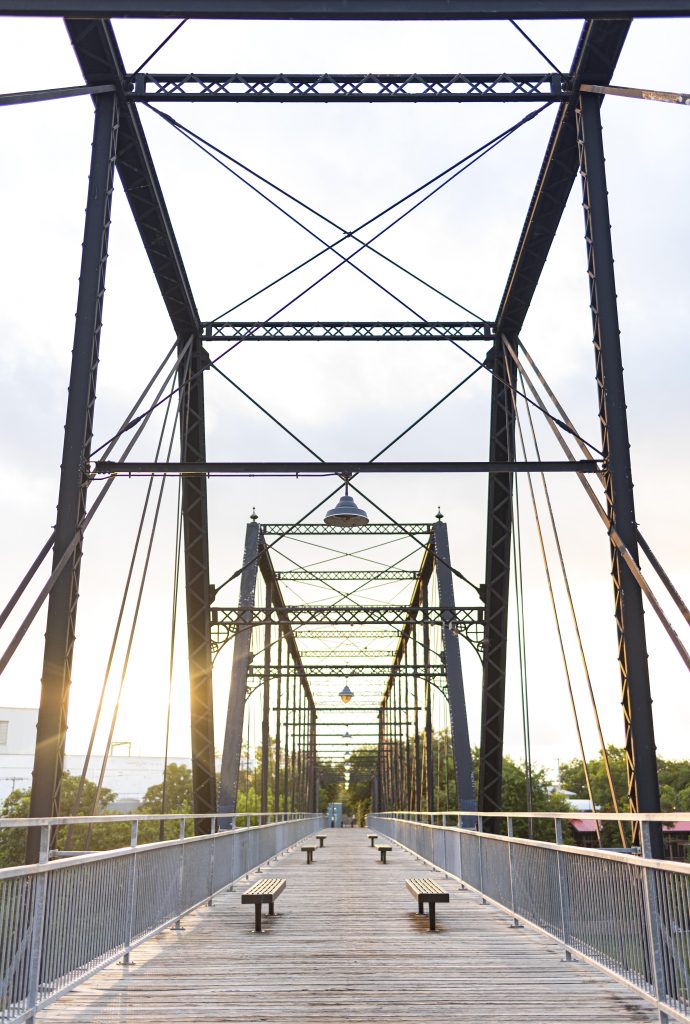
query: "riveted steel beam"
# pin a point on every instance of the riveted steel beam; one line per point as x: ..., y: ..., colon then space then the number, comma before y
x: 499, y: 87
x: 348, y: 330
x: 595, y: 60
x: 56, y: 677
x: 349, y: 10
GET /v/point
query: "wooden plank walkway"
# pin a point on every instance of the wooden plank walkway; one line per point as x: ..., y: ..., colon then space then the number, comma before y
x: 346, y: 944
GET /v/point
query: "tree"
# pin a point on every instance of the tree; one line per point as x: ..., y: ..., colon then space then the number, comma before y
x: 178, y: 800
x: 102, y: 837
x: 674, y: 781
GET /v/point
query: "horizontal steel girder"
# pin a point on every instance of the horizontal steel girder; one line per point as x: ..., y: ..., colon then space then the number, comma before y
x: 356, y: 575
x: 343, y: 615
x: 338, y: 671
x: 225, y: 622
x: 338, y: 634
x: 348, y: 10
x: 347, y: 653
x: 349, y: 88
x: 348, y: 330
x: 336, y: 468
x: 321, y: 530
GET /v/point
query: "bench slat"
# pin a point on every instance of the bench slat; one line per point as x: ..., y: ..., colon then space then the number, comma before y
x: 427, y: 888
x: 266, y: 890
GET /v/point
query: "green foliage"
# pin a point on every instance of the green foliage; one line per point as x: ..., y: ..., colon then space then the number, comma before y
x: 674, y: 781
x: 103, y: 837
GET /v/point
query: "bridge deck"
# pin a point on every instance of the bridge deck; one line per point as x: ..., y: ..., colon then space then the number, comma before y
x: 346, y: 944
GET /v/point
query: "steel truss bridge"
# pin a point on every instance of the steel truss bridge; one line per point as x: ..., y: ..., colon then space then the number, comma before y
x: 629, y: 915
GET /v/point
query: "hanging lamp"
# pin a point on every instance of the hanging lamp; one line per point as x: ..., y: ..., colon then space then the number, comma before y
x: 346, y: 694
x: 346, y: 514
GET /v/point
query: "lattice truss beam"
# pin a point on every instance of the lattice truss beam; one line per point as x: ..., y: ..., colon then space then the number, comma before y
x: 410, y: 88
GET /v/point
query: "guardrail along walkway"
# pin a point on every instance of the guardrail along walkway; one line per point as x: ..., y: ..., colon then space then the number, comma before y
x: 346, y: 944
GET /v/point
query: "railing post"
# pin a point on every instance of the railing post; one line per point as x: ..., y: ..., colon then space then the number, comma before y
x: 37, y: 925
x: 177, y: 927
x: 131, y: 889
x: 511, y: 868
x: 462, y: 878
x: 653, y: 921
x: 480, y: 826
x: 212, y: 841
x: 563, y: 890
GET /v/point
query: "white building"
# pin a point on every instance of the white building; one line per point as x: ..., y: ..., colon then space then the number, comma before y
x: 127, y: 776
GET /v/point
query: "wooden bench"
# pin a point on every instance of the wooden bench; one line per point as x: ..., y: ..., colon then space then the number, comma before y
x: 309, y: 850
x: 321, y: 840
x: 372, y: 836
x: 266, y: 891
x: 383, y: 850
x: 425, y: 890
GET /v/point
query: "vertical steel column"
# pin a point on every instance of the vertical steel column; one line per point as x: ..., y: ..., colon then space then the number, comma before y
x: 276, y: 784
x: 459, y: 730
x: 640, y: 748
x: 197, y: 587
x: 265, y: 735
x: 312, y: 750
x: 380, y: 793
x: 293, y: 740
x: 417, y: 761
x: 62, y: 603
x: 430, y: 802
x: 286, y: 775
x: 408, y: 785
x: 232, y: 746
x: 497, y: 575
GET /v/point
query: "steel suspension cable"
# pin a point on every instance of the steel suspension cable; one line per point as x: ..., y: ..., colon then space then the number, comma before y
x: 571, y: 603
x: 559, y: 633
x: 534, y: 45
x: 76, y: 803
x: 656, y: 565
x: 81, y: 529
x: 173, y: 631
x: 160, y: 46
x: 522, y: 658
x: 614, y: 537
x: 135, y: 619
x: 210, y: 149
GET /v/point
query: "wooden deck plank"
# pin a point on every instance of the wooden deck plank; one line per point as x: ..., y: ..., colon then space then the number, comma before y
x: 346, y: 943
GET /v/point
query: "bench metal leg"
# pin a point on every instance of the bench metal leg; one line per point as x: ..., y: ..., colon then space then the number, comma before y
x: 420, y: 906
x: 432, y: 916
x: 383, y: 856
x: 257, y: 917
x: 271, y: 911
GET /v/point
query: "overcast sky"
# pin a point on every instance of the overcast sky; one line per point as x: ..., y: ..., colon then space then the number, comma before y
x: 346, y: 400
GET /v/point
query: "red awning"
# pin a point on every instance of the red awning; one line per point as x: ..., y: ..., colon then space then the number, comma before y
x: 583, y: 826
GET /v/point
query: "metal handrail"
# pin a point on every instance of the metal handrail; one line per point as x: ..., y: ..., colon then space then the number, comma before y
x: 628, y: 916
x: 63, y: 920
x: 550, y: 815
x: 110, y: 819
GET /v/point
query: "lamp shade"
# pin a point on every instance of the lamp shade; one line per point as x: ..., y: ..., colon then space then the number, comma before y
x: 346, y: 695
x: 346, y: 514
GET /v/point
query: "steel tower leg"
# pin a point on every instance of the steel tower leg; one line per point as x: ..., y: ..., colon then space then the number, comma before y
x: 498, y: 542
x: 640, y: 748
x: 265, y: 725
x: 232, y: 746
x: 197, y: 587
x: 62, y: 604
x: 459, y: 731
